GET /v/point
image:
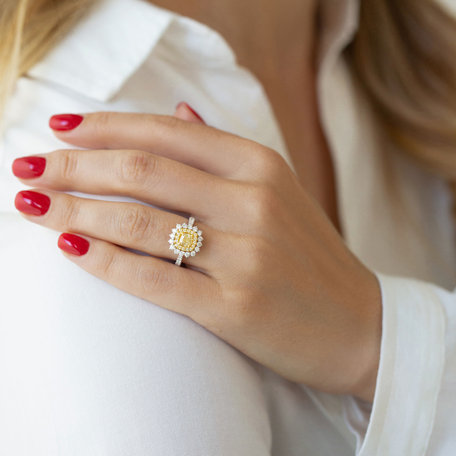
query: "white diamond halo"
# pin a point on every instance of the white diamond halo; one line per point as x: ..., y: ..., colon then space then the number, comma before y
x: 185, y: 240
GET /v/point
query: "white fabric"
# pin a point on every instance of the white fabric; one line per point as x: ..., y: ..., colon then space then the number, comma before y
x: 89, y: 370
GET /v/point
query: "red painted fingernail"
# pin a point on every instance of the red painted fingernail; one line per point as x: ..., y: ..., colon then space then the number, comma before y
x: 192, y: 110
x: 32, y: 203
x: 29, y: 167
x: 64, y: 122
x: 76, y: 245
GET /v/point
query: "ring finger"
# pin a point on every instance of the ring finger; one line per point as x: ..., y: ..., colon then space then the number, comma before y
x: 131, y: 225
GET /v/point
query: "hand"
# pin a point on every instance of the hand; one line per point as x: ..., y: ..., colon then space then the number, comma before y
x: 273, y: 278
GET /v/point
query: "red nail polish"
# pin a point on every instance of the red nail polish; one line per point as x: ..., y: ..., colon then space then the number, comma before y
x: 76, y: 245
x: 32, y: 203
x: 29, y: 167
x: 64, y: 122
x: 193, y: 111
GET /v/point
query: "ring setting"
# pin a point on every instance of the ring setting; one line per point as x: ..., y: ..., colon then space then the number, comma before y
x: 185, y: 240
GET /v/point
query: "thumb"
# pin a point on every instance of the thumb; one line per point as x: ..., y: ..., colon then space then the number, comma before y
x: 185, y: 112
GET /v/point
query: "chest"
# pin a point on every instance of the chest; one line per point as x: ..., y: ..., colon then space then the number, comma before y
x: 296, y: 110
x: 316, y: 173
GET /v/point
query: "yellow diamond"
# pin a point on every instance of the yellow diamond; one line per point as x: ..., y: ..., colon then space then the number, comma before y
x: 185, y: 239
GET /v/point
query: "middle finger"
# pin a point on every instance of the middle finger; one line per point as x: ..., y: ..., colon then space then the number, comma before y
x: 141, y: 175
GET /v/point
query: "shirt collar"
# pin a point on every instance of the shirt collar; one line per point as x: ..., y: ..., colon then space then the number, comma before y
x: 108, y: 45
x: 104, y: 48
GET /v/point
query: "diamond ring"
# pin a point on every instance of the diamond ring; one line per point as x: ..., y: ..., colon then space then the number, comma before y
x: 186, y: 240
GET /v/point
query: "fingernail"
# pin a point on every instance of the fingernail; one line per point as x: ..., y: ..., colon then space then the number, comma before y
x: 64, y: 122
x: 32, y: 203
x: 191, y: 110
x: 76, y: 245
x: 29, y: 167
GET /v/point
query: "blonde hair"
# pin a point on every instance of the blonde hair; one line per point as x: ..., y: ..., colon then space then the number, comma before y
x: 404, y: 54
x: 28, y: 30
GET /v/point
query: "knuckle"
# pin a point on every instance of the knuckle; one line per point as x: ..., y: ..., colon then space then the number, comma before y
x: 262, y: 203
x: 255, y: 252
x: 155, y: 280
x: 136, y: 167
x: 68, y: 164
x: 135, y: 224
x: 71, y: 213
x: 107, y: 266
x: 266, y: 163
x: 243, y: 307
x: 164, y: 128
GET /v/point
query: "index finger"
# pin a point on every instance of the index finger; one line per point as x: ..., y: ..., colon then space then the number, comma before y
x: 197, y: 145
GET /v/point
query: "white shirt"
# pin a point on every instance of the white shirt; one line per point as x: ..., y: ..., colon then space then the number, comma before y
x: 90, y: 370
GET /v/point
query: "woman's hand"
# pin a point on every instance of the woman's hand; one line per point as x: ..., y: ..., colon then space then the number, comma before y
x: 273, y: 277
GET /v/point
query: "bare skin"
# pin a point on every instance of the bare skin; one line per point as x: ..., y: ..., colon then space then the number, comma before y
x: 274, y: 278
x: 280, y: 52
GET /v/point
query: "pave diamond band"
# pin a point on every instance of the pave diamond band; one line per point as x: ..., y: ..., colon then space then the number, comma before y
x: 185, y: 240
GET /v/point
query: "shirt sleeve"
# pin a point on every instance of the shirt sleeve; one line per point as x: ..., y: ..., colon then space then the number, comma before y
x: 413, y: 411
